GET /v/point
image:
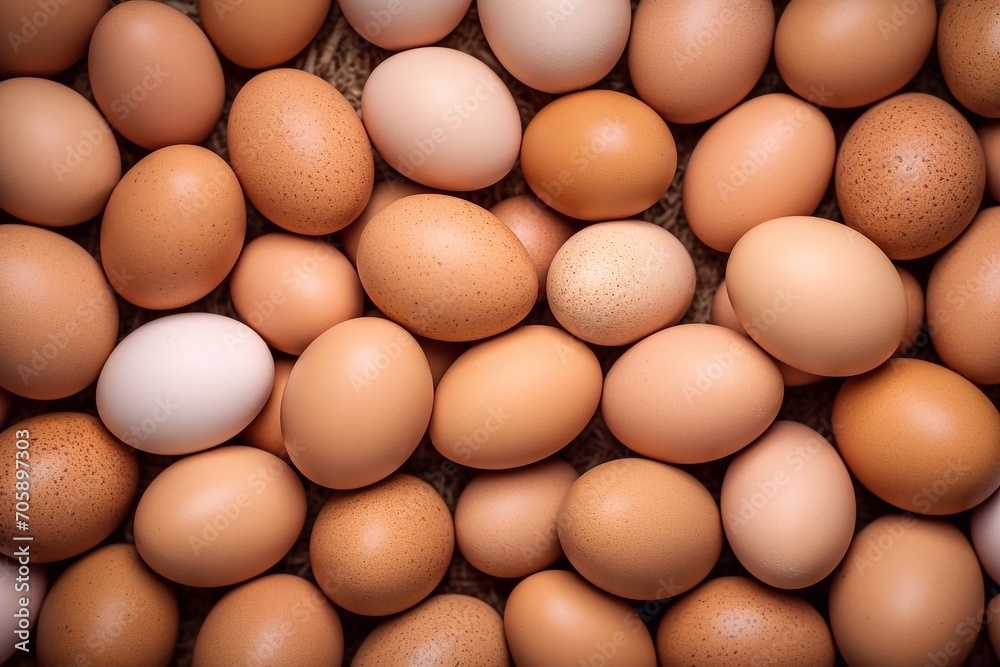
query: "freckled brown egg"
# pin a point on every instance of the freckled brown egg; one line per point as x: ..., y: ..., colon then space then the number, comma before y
x: 737, y: 622
x: 914, y: 312
x: 45, y: 38
x: 385, y: 192
x: 968, y: 47
x: 300, y: 151
x: 264, y: 432
x: 384, y: 548
x: 444, y: 630
x: 910, y: 175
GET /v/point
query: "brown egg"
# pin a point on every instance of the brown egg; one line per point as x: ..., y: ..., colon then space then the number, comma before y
x: 290, y: 289
x: 910, y: 175
x: 264, y: 432
x: 259, y: 33
x: 278, y: 619
x: 155, y: 75
x: 440, y: 354
x: 556, y: 619
x: 108, y: 608
x: 737, y: 622
x: 694, y: 60
x: 968, y: 47
x: 994, y: 625
x: 45, y: 38
x: 989, y: 137
x: 848, y: 54
x: 506, y: 521
x: 919, y: 436
x: 910, y: 592
x: 444, y: 630
x: 382, y: 549
x: 5, y: 404
x: 640, y: 529
x: 384, y: 192
x: 173, y: 227
x: 598, y: 155
x: 60, y: 160
x: 82, y: 482
x: 445, y: 268
x: 914, y: 312
x: 963, y: 301
x: 300, y: 151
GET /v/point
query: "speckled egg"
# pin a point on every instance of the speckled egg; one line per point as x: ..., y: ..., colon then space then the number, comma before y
x: 385, y: 191
x: 910, y: 175
x: 444, y: 630
x: 968, y: 47
x: 300, y: 151
x: 82, y: 483
x: 45, y: 38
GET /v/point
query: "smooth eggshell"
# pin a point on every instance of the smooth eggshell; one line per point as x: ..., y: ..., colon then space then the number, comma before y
x: 260, y: 33
x: 403, y: 24
x: 968, y: 48
x: 45, y: 38
x: 914, y: 313
x: 985, y: 532
x: 264, y: 432
x: 384, y: 192
x: 15, y: 593
x: 989, y: 137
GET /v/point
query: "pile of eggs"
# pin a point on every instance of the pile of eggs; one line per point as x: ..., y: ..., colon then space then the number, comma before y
x: 382, y: 313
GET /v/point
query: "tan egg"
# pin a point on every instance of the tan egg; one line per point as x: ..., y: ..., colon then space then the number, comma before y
x: 445, y: 629
x: 108, y: 608
x: 989, y: 137
x: 963, y: 301
x: 613, y: 283
x: 403, y: 24
x: 919, y: 436
x: 258, y: 33
x: 356, y: 404
x: 910, y: 592
x: 445, y: 268
x: 382, y: 549
x: 384, y: 192
x: 910, y: 175
x: 598, y: 155
x: 737, y: 622
x: 817, y: 295
x: 278, y: 619
x: 300, y: 151
x: 694, y: 60
x: 556, y: 619
x: 663, y: 396
x: 506, y: 521
x: 968, y: 48
x: 788, y: 506
x: 847, y: 54
x: 914, y: 312
x: 220, y: 516
x: 173, y: 227
x: 290, y: 289
x: 45, y: 38
x: 155, y: 75
x: 60, y: 161
x: 264, y: 432
x: 80, y: 486
x: 640, y: 529
x: 769, y: 157
x: 440, y: 354
x: 515, y: 399
x: 541, y: 230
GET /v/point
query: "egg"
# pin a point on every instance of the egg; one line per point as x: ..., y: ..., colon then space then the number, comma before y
x: 984, y: 530
x: 442, y: 118
x: 914, y: 312
x: 220, y: 517
x: 989, y: 137
x: 278, y: 619
x: 108, y: 608
x: 662, y: 397
x: 555, y: 46
x: 694, y: 60
x: 46, y: 38
x: 445, y: 629
x: 382, y: 549
x: 60, y: 161
x: 909, y: 592
x: 334, y: 411
x: 769, y: 157
x: 290, y: 289
x: 788, y: 506
x: 213, y: 375
x: 155, y: 75
x: 598, y: 155
x: 264, y: 432
x: 506, y: 520
x: 251, y: 33
x: 817, y: 295
x: 300, y: 151
x: 20, y: 602
x: 384, y: 192
x: 737, y: 622
x: 848, y: 54
x: 556, y: 619
x: 445, y: 268
x: 968, y: 48
x: 910, y: 175
x: 5, y: 406
x: 962, y: 301
x: 613, y: 283
x: 403, y: 24
x: 60, y: 316
x: 515, y: 399
x: 919, y: 436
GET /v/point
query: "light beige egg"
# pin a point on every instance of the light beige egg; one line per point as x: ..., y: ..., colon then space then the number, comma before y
x: 403, y: 24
